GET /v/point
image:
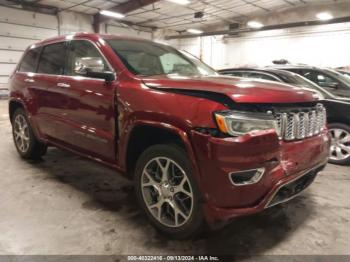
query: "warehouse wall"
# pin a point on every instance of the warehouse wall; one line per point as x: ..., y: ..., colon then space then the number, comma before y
x: 128, y: 31
x: 324, y: 45
x: 72, y: 22
x: 19, y: 29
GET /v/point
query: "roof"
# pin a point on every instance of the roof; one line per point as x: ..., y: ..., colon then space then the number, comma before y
x: 90, y: 36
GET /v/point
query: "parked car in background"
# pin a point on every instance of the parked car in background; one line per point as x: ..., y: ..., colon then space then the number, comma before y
x: 330, y: 80
x: 200, y: 147
x: 338, y: 107
x: 273, y: 75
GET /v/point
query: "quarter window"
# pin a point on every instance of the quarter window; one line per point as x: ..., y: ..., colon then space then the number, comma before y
x: 29, y: 61
x: 52, y: 59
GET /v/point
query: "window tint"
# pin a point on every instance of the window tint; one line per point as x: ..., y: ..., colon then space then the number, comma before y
x: 308, y: 74
x: 324, y: 80
x: 320, y: 78
x: 30, y: 60
x: 52, y: 59
x: 82, y: 49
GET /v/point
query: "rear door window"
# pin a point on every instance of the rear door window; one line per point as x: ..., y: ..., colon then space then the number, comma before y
x: 52, y: 59
x: 30, y: 61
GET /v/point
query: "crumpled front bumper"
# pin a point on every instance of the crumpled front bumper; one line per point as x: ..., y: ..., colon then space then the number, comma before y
x: 290, y: 167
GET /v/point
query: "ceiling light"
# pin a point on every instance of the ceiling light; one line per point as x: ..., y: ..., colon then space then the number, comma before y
x: 324, y: 16
x: 180, y: 2
x: 255, y: 24
x: 194, y: 31
x: 111, y: 14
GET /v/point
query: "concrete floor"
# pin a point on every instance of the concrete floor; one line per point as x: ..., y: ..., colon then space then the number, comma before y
x: 67, y: 205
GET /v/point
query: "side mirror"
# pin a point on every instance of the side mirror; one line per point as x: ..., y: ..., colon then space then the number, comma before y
x: 92, y: 67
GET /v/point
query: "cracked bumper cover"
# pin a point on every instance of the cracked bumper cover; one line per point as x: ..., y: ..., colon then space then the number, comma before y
x: 286, y: 163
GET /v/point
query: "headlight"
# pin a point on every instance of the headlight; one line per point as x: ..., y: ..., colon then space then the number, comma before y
x: 238, y: 123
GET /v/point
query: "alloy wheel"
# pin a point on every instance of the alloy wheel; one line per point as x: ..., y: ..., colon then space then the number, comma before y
x: 21, y: 133
x: 340, y: 147
x: 167, y: 192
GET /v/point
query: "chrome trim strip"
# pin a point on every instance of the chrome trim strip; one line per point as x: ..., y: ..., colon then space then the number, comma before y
x: 289, y: 182
x: 255, y: 179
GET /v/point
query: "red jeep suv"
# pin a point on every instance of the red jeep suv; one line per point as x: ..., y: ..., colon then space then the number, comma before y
x: 201, y: 148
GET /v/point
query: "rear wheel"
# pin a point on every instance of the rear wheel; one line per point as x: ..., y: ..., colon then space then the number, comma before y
x: 340, y: 147
x: 167, y: 192
x: 27, y: 145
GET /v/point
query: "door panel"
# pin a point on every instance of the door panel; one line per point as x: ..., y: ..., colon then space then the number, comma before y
x: 50, y: 106
x: 50, y: 99
x: 89, y: 111
x: 89, y: 115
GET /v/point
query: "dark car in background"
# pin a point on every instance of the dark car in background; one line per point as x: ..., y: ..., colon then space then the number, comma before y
x: 328, y: 79
x: 335, y: 89
x: 273, y: 75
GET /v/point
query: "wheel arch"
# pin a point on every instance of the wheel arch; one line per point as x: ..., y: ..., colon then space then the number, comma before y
x: 145, y: 134
x: 14, y: 104
x: 338, y: 120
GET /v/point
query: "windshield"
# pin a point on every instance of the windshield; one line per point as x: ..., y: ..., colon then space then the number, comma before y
x: 295, y: 79
x: 146, y: 58
x: 339, y: 76
x: 342, y: 88
x: 300, y: 81
x: 347, y: 74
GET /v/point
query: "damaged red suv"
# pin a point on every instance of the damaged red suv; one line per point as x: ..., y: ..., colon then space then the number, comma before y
x: 201, y: 148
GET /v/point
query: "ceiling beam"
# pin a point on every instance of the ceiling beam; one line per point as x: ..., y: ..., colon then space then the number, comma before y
x: 269, y: 27
x: 123, y: 8
x: 30, y: 6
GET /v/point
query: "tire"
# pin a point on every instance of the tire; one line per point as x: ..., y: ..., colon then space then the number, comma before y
x: 27, y: 145
x: 176, y: 193
x: 340, y: 148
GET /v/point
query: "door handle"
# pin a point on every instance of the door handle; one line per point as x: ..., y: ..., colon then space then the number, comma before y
x: 64, y: 85
x: 29, y: 80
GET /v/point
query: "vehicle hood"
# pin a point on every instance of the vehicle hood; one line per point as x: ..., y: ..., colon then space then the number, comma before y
x: 240, y: 90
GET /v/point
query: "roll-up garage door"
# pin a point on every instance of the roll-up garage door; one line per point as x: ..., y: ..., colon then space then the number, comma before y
x: 18, y: 30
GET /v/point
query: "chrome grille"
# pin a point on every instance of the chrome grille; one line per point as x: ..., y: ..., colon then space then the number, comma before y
x: 300, y: 124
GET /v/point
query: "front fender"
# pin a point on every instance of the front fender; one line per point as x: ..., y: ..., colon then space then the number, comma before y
x: 179, y: 132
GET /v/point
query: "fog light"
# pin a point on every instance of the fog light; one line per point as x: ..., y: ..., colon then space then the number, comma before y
x: 246, y: 177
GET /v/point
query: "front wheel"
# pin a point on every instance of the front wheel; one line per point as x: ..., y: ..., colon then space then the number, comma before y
x: 167, y: 192
x: 340, y: 148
